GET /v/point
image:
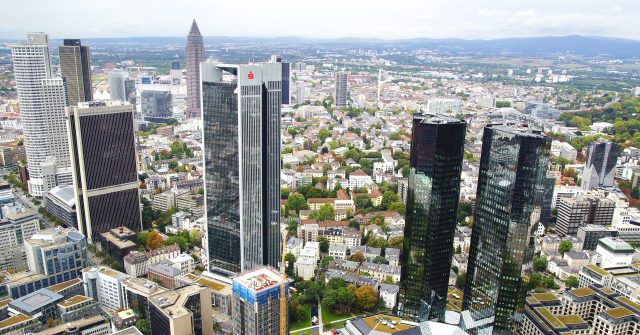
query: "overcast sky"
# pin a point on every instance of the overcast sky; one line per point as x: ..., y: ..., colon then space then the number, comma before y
x: 468, y: 19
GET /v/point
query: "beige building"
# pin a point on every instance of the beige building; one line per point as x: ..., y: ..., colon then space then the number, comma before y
x: 183, y: 311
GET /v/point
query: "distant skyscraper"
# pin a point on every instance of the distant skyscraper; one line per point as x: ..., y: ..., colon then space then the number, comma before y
x: 256, y: 302
x: 130, y: 91
x: 117, y: 85
x: 194, y: 55
x: 42, y: 101
x: 286, y: 78
x: 511, y: 185
x: 241, y: 124
x: 101, y: 138
x: 156, y: 104
x: 437, y: 148
x: 342, y: 90
x: 75, y: 68
x: 175, y: 65
x: 599, y: 169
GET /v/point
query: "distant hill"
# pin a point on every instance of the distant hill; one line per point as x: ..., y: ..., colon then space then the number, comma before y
x: 522, y: 46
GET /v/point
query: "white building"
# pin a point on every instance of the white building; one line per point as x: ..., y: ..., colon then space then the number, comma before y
x: 104, y: 285
x: 305, y: 268
x: 359, y: 178
x: 389, y: 294
x: 42, y: 103
x: 614, y: 253
x: 183, y: 262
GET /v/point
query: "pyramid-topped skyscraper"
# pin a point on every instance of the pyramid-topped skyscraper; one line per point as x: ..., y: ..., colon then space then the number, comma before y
x: 194, y: 55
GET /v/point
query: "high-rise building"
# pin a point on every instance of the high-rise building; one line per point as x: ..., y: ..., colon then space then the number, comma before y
x: 42, y: 101
x: 342, y: 90
x: 184, y: 311
x: 117, y: 85
x: 194, y: 55
x: 175, y: 65
x: 130, y: 91
x: 53, y: 256
x: 437, y: 148
x: 156, y: 103
x: 600, y: 167
x: 286, y: 78
x: 75, y: 69
x: 104, y: 285
x: 256, y: 302
x: 511, y: 186
x: 591, y: 234
x: 15, y: 228
x: 583, y: 210
x: 241, y: 125
x: 105, y: 179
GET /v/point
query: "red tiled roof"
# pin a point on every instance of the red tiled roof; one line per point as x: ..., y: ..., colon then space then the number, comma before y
x: 333, y: 224
x: 375, y: 193
x: 358, y: 172
x: 320, y: 200
x: 342, y: 195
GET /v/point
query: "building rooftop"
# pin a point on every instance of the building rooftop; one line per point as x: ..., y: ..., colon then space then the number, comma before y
x: 211, y: 283
x: 258, y: 279
x: 107, y: 271
x: 78, y: 324
x: 76, y: 299
x: 64, y: 194
x: 128, y: 331
x: 13, y: 320
x: 582, y: 292
x: 36, y: 300
x: 172, y: 302
x: 165, y: 268
x: 381, y: 324
x: 432, y: 118
x: 615, y: 245
x: 619, y: 312
x: 64, y: 285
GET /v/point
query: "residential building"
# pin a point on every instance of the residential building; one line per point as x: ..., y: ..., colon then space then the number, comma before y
x: 389, y: 294
x: 105, y: 178
x: 342, y: 90
x: 165, y: 273
x: 194, y: 55
x: 437, y: 148
x: 42, y: 101
x: 511, y: 184
x: 256, y: 302
x: 583, y: 210
x: 104, y: 285
x: 591, y: 234
x: 602, y: 157
x: 183, y: 311
x: 75, y: 69
x: 242, y: 164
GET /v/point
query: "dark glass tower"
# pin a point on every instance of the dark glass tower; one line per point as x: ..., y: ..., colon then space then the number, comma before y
x: 511, y: 185
x: 75, y: 69
x: 599, y: 169
x: 241, y: 124
x: 437, y: 150
x: 105, y: 175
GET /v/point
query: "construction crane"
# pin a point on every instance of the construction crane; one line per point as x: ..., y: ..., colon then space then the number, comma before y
x: 283, y: 289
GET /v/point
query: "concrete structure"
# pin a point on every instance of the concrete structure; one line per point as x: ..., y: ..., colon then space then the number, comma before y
x: 591, y: 234
x: 165, y: 273
x: 194, y: 55
x: 183, y: 311
x: 136, y: 293
x: 156, y: 104
x: 76, y: 308
x: 15, y: 227
x: 105, y: 178
x: 104, y: 285
x: 40, y: 304
x: 117, y: 243
x: 42, y: 101
x: 583, y: 210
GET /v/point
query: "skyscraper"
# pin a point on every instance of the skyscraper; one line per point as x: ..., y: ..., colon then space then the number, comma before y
x: 75, y: 69
x: 342, y: 90
x: 117, y: 85
x: 511, y: 185
x: 599, y: 169
x: 286, y: 78
x: 42, y: 101
x: 101, y: 140
x: 256, y: 302
x: 156, y: 104
x: 437, y: 148
x: 194, y: 55
x: 241, y: 125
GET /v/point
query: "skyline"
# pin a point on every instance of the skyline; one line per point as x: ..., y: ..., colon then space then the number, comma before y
x: 466, y: 20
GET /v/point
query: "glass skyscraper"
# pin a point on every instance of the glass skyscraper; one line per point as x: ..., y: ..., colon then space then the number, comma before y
x: 241, y: 125
x: 75, y: 68
x: 600, y: 167
x: 437, y: 150
x: 509, y: 201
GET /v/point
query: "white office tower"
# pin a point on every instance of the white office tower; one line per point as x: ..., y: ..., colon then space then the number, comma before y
x: 116, y: 85
x: 42, y: 101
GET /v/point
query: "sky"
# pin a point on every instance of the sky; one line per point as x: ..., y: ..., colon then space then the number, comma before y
x: 395, y: 19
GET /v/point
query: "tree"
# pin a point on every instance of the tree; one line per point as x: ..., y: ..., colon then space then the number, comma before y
x: 323, y: 134
x: 565, y: 246
x: 380, y: 260
x: 388, y: 197
x: 296, y: 202
x: 284, y: 193
x: 358, y: 257
x: 195, y: 238
x: 154, y: 239
x: 397, y: 206
x: 292, y: 227
x: 549, y: 282
x: 289, y: 260
x: 366, y: 298
x: 324, y: 244
x: 325, y: 212
x: 461, y: 280
x: 635, y: 192
x: 177, y: 149
x: 144, y: 326
x: 540, y: 263
x: 458, y: 249
x: 379, y: 242
x: 325, y: 261
x: 395, y: 242
x: 571, y: 281
x: 363, y: 201
x: 297, y: 312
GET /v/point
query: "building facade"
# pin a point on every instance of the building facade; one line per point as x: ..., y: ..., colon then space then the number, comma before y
x: 511, y: 185
x: 185, y: 311
x: 437, y: 148
x: 341, y: 90
x: 156, y: 104
x: 241, y: 126
x: 75, y: 69
x: 599, y: 168
x: 105, y: 179
x: 194, y: 55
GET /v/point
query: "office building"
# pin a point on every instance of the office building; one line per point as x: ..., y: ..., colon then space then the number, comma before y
x: 599, y: 168
x: 94, y: 325
x: 341, y: 91
x: 130, y: 91
x: 117, y: 85
x: 614, y: 253
x: 75, y: 69
x: 105, y: 179
x: 104, y: 285
x: 450, y: 105
x: 15, y: 227
x: 583, y: 210
x: 241, y: 126
x: 175, y: 65
x: 42, y: 101
x: 117, y: 243
x: 156, y: 104
x: 437, y: 148
x: 511, y: 185
x: 136, y: 292
x: 256, y: 302
x: 77, y: 307
x: 194, y: 55
x: 40, y: 304
x: 53, y: 256
x: 184, y: 311
x: 286, y: 78
x: 61, y: 203
x: 591, y: 234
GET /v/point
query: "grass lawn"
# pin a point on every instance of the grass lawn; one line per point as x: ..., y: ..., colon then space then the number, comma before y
x: 302, y: 323
x: 328, y: 318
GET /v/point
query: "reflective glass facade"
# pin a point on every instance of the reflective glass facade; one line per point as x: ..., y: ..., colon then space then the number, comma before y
x: 511, y: 185
x: 437, y: 148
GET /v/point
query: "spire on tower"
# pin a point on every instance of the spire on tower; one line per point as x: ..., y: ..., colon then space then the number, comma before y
x: 194, y: 28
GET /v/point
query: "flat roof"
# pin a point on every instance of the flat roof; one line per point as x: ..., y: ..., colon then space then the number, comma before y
x: 128, y: 331
x: 36, y: 300
x: 259, y: 279
x: 14, y: 320
x: 376, y: 326
x: 64, y: 285
x: 76, y: 299
x: 544, y: 296
x: 582, y: 292
x: 619, y: 312
x: 596, y: 269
